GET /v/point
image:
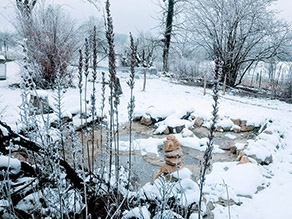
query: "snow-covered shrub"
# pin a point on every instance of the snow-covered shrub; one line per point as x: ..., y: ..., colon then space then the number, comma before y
x: 50, y: 42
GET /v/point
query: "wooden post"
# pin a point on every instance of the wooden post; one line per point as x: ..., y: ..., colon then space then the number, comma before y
x: 260, y: 80
x: 205, y: 82
x: 144, y: 84
x: 224, y: 84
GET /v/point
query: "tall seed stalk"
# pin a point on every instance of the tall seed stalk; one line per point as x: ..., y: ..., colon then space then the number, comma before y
x: 86, y: 73
x: 80, y: 85
x: 112, y: 74
x: 131, y: 104
x: 208, y: 152
x: 102, y: 116
x: 58, y: 105
x: 93, y: 98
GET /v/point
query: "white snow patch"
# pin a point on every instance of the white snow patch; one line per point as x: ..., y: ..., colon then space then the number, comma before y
x: 13, y: 164
x: 144, y: 145
x: 241, y: 179
x: 230, y: 136
x: 141, y: 213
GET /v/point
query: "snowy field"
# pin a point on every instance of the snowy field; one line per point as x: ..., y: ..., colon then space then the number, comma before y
x: 165, y: 99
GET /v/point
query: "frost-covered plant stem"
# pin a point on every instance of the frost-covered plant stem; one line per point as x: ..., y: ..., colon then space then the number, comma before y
x: 80, y: 85
x: 228, y: 199
x: 102, y: 115
x: 131, y: 104
x: 208, y: 152
x: 58, y: 98
x: 112, y: 74
x: 93, y: 98
x: 86, y: 72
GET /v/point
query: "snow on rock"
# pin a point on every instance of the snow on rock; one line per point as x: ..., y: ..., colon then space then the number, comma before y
x: 175, y: 120
x: 167, y: 214
x: 30, y: 202
x: 11, y: 164
x: 183, y: 173
x: 148, y: 145
x: 139, y: 213
x: 263, y: 148
x: 225, y: 123
x: 230, y: 136
x: 196, y: 143
x: 241, y: 179
x: 187, y: 133
x: 240, y: 146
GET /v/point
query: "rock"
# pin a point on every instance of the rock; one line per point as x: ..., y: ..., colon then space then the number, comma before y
x: 171, y: 144
x: 41, y: 104
x: 175, y: 153
x: 178, y: 129
x: 166, y: 131
x: 268, y: 132
x: 243, y: 123
x: 226, y: 128
x: 247, y: 128
x: 137, y: 118
x: 146, y: 120
x: 201, y: 132
x: 168, y: 169
x: 225, y: 203
x: 187, y: 133
x: 186, y: 116
x: 199, y: 122
x: 118, y: 86
x: 227, y: 145
x: 233, y: 150
x: 268, y: 160
x: 240, y: 155
x: 244, y: 159
x: 172, y: 156
x: 153, y: 159
x: 236, y: 121
x: 193, y: 117
x: 219, y: 129
x: 210, y: 205
x: 236, y: 129
x: 173, y: 161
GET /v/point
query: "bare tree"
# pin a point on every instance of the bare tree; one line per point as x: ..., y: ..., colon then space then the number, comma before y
x: 167, y: 34
x: 50, y: 41
x: 25, y: 6
x: 239, y: 32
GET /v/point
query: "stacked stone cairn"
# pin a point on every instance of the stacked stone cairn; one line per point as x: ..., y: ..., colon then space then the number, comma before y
x: 172, y: 157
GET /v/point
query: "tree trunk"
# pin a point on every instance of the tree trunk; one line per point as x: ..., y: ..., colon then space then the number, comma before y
x: 167, y: 34
x: 230, y: 69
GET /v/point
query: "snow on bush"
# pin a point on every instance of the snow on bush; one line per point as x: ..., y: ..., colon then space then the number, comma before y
x: 185, y: 189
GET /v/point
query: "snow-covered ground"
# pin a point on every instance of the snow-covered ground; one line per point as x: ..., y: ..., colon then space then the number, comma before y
x: 165, y: 99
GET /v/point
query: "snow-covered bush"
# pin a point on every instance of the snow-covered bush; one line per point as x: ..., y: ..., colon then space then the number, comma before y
x: 50, y: 41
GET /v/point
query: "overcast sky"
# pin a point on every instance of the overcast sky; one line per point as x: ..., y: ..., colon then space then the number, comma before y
x: 128, y: 15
